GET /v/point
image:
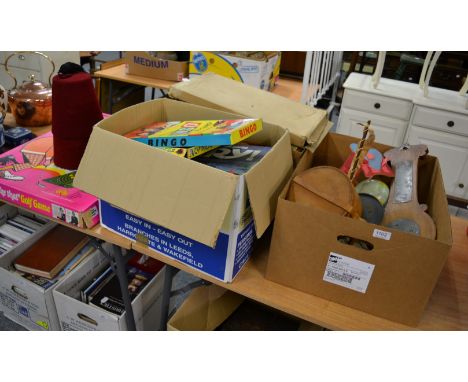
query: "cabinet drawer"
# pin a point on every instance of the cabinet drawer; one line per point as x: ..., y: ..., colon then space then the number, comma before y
x: 389, y: 131
x: 452, y: 151
x: 441, y: 120
x: 377, y: 104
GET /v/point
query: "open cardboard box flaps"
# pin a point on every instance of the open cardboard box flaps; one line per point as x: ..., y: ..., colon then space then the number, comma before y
x: 176, y: 193
x: 305, y: 123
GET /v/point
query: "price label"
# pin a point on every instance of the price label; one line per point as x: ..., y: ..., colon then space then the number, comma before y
x: 348, y: 272
x: 379, y: 234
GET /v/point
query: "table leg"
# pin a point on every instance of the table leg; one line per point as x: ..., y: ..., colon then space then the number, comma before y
x: 166, y: 295
x: 118, y: 265
x: 111, y: 102
x: 120, y: 269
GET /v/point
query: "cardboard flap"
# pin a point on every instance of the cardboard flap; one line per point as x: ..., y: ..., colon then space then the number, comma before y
x: 205, y: 309
x: 181, y: 195
x: 305, y: 123
x: 265, y: 182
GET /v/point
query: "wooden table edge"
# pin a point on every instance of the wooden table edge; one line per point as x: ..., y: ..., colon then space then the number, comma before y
x: 117, y: 73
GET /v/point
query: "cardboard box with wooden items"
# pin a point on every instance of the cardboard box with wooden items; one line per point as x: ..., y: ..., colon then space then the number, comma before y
x: 214, y: 308
x: 158, y: 199
x: 146, y: 65
x: 390, y: 270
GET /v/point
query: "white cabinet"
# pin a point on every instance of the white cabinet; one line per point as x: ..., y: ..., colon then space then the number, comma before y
x: 389, y: 131
x: 400, y: 113
x: 23, y: 65
x: 452, y: 151
x: 388, y: 107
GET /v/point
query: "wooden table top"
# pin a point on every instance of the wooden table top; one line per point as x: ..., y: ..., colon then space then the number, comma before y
x: 285, y: 87
x: 447, y: 308
x: 117, y: 73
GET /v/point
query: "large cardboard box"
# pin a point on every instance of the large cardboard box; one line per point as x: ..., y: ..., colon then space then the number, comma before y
x: 233, y: 246
x: 305, y: 123
x: 145, y: 65
x: 73, y: 314
x: 257, y: 69
x: 183, y: 196
x: 396, y: 277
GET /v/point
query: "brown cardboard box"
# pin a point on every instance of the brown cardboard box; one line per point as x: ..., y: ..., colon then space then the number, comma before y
x: 145, y: 65
x: 305, y: 124
x: 207, y: 307
x: 175, y: 192
x: 401, y: 272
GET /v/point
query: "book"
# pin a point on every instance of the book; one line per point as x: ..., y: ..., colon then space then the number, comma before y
x: 33, y: 224
x: 48, y: 256
x: 14, y: 233
x: 21, y: 226
x: 38, y: 280
x: 145, y: 263
x: 196, y: 133
x: 237, y: 159
x: 47, y: 283
x: 97, y: 282
x: 109, y: 296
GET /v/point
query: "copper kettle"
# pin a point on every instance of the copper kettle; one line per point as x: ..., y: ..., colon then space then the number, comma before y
x: 31, y: 102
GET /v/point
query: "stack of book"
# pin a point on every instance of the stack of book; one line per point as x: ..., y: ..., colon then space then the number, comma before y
x: 216, y: 143
x: 104, y: 290
x: 18, y: 229
x: 54, y: 255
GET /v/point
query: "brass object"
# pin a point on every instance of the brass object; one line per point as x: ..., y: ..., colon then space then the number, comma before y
x: 31, y: 102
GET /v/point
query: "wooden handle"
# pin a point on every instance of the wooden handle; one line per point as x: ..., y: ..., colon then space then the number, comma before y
x: 368, y: 138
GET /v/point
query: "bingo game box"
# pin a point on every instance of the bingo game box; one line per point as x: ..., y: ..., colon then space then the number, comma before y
x: 29, y: 179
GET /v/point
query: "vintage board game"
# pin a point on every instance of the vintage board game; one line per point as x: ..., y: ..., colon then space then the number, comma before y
x: 29, y: 179
x: 184, y: 134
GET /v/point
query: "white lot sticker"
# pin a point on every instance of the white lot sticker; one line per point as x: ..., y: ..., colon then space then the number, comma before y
x: 347, y: 272
x: 382, y: 234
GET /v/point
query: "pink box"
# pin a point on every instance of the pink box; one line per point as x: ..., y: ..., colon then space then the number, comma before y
x: 29, y: 179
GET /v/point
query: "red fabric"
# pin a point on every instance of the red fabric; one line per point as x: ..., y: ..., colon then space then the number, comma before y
x: 75, y: 110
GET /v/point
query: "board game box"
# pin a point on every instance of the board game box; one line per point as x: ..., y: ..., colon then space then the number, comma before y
x: 184, y: 134
x: 29, y: 179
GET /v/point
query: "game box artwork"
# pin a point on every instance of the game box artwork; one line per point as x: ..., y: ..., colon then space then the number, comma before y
x: 29, y: 179
x: 196, y: 133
